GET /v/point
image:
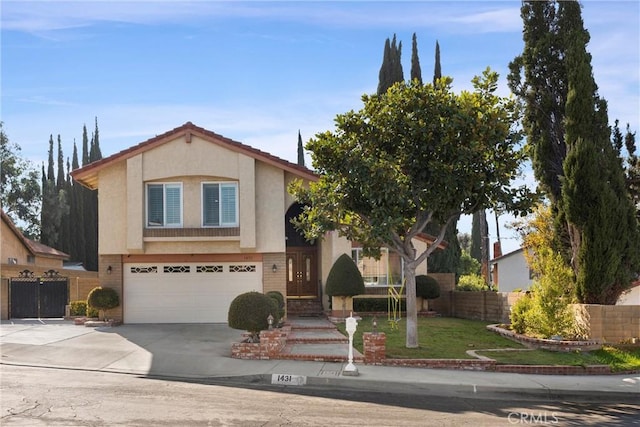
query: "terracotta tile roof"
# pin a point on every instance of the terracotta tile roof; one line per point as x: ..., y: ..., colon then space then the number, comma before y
x: 35, y: 248
x: 87, y: 175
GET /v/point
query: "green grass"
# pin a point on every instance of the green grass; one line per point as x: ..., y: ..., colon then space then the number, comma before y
x: 438, y: 338
x: 542, y: 357
x: 450, y: 338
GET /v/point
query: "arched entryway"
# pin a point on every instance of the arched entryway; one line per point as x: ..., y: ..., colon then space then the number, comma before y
x: 301, y: 264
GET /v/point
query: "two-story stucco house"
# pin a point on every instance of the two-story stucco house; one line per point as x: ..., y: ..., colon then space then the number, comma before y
x: 190, y: 219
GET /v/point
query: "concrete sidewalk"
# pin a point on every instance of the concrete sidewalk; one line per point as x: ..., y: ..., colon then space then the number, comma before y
x: 202, y: 352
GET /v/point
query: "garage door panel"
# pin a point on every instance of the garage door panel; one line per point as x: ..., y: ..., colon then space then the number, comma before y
x: 188, y: 293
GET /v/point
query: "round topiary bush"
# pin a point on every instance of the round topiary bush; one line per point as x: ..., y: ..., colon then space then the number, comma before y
x: 427, y: 287
x: 103, y: 299
x: 249, y: 312
x: 344, y: 278
x: 279, y: 299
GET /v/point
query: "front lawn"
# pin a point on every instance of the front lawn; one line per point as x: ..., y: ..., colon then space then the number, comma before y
x: 438, y: 337
x: 450, y: 338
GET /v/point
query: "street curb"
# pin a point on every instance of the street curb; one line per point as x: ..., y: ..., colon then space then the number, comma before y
x: 433, y: 389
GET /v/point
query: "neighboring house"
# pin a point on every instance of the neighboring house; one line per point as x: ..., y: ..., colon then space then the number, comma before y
x: 511, y: 272
x: 25, y: 263
x: 190, y: 219
x: 19, y: 250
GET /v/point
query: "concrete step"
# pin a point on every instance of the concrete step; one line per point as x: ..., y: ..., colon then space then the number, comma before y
x: 316, y: 336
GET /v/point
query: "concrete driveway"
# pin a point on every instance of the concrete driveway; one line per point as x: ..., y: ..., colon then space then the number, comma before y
x: 182, y: 350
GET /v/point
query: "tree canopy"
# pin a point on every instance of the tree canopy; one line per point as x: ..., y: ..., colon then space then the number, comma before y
x: 20, y: 189
x: 418, y: 154
x: 574, y: 160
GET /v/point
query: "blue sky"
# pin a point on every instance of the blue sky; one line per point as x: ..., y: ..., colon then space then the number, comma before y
x: 258, y: 72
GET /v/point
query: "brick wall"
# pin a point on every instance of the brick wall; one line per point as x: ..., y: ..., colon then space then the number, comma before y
x: 483, y: 305
x: 274, y: 281
x: 271, y: 344
x: 609, y: 323
x: 374, y: 347
x: 113, y: 280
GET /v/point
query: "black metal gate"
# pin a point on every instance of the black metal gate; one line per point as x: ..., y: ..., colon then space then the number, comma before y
x: 38, y: 297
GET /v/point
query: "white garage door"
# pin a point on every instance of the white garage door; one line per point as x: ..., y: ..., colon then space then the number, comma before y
x: 186, y: 292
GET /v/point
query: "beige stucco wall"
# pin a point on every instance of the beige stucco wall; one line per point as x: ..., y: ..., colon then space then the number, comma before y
x: 270, y: 204
x: 261, y: 188
x: 12, y: 247
x: 112, y: 210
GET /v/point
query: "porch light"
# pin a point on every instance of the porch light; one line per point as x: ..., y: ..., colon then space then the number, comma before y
x: 274, y: 268
x: 109, y: 270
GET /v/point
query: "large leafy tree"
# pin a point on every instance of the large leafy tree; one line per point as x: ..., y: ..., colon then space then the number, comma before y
x: 603, y: 230
x: 449, y: 259
x: 418, y: 154
x: 20, y: 190
x: 539, y: 77
x: 573, y: 158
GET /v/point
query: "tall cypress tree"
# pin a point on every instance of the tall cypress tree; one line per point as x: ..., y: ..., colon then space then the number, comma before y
x: 85, y: 146
x: 539, y: 77
x: 50, y: 164
x: 437, y: 70
x: 391, y: 68
x: 64, y: 197
x: 78, y: 250
x: 90, y: 202
x: 416, y: 72
x: 603, y: 231
x: 300, y: 150
x: 396, y: 61
x: 49, y: 218
x: 60, y: 180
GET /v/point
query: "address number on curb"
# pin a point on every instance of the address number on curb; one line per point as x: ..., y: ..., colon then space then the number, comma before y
x: 285, y: 379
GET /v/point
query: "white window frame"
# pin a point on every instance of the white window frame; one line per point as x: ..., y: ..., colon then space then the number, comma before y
x: 165, y: 185
x: 383, y: 265
x: 235, y: 186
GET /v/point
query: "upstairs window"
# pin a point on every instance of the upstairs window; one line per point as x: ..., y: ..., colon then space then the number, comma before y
x: 164, y: 205
x: 219, y: 204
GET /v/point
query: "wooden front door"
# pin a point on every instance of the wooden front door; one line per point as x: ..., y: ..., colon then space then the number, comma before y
x: 302, y: 272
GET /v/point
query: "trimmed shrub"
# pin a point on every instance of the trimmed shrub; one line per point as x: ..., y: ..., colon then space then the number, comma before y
x: 471, y: 282
x: 519, y: 312
x: 279, y: 298
x: 103, y: 299
x: 427, y: 287
x: 344, y: 278
x: 249, y: 312
x: 366, y: 305
x: 78, y: 308
x: 92, y: 312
